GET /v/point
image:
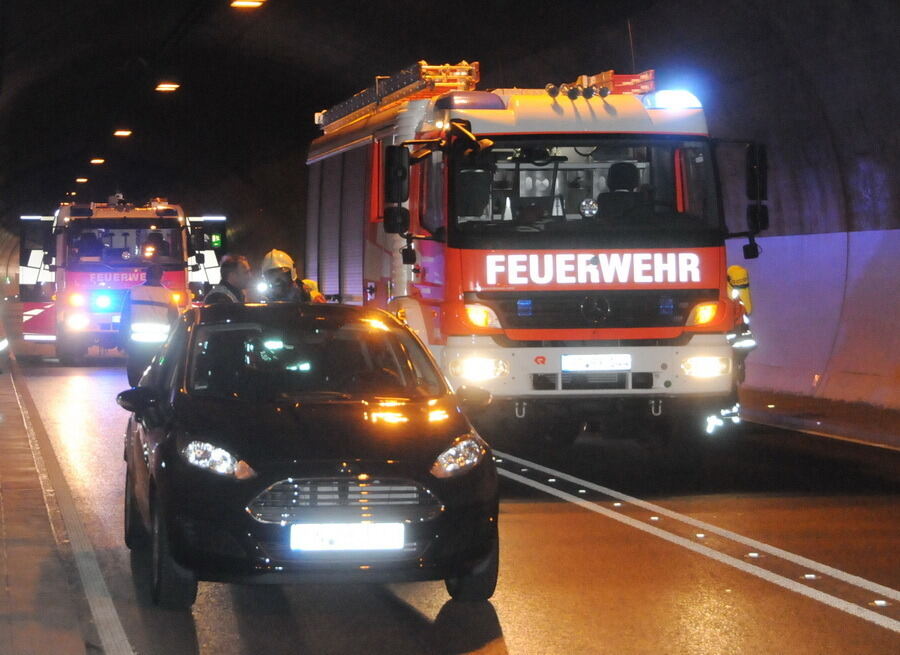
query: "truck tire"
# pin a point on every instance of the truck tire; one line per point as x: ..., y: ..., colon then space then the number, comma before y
x: 561, y: 433
x: 69, y: 352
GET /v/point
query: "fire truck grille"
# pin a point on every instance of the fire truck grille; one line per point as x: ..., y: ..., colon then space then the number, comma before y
x: 332, y: 499
x: 593, y: 309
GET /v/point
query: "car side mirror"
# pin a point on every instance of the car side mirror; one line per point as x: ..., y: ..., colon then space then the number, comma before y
x: 473, y: 398
x: 138, y: 399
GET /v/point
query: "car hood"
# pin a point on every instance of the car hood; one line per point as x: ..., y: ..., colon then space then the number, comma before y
x: 262, y: 433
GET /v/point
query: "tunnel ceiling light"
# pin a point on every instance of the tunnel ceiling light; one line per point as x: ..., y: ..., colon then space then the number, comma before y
x: 81, y: 180
x: 247, y: 4
x: 122, y: 133
x: 98, y: 160
x: 167, y: 87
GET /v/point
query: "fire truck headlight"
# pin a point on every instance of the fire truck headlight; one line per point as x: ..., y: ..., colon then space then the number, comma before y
x: 588, y: 208
x: 77, y: 299
x: 77, y: 322
x: 703, y: 313
x: 149, y: 332
x: 479, y: 369
x: 482, y: 316
x: 706, y: 367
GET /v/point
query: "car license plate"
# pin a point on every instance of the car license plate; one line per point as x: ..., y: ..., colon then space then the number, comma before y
x: 346, y: 536
x: 601, y: 362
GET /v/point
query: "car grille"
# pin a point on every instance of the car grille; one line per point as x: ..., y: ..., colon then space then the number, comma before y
x: 335, y: 499
x: 593, y: 309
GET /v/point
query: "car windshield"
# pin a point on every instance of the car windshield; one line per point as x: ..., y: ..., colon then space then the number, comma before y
x: 528, y: 190
x: 124, y: 242
x: 311, y: 358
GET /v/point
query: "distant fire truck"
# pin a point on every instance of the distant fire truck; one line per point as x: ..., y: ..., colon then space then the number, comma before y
x: 561, y: 247
x: 76, y: 266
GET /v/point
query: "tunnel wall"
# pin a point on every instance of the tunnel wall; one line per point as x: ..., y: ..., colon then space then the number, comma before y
x: 826, y: 316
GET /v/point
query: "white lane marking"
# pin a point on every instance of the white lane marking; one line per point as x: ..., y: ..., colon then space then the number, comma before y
x: 768, y: 576
x: 109, y: 627
x: 837, y: 574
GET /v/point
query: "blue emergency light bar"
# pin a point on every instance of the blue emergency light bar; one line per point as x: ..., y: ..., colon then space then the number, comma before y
x: 671, y: 99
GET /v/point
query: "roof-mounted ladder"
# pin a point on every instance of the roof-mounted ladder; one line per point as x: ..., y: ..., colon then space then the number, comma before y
x: 420, y: 80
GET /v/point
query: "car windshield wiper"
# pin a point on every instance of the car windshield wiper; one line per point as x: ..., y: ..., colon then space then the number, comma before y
x: 313, y: 395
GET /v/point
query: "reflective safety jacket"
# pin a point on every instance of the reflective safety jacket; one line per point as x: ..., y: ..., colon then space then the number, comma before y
x: 149, y: 310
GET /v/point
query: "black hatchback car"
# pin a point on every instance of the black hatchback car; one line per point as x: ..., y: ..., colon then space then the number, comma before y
x: 297, y: 442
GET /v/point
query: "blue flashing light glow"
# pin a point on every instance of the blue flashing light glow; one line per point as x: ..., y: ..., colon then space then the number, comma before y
x: 671, y: 99
x: 523, y: 307
x: 102, y: 301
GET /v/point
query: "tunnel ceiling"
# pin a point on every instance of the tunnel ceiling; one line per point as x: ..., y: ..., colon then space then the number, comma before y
x: 813, y: 84
x: 251, y: 81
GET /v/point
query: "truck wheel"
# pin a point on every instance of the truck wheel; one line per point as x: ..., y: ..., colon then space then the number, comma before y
x: 173, y: 586
x: 136, y: 535
x: 561, y: 433
x: 69, y: 352
x: 479, y: 582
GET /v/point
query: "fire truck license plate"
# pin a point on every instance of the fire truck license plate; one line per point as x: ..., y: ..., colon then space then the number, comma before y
x: 346, y: 536
x: 604, y: 362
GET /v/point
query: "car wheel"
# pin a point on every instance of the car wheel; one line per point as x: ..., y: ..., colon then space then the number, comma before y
x: 478, y: 582
x: 173, y: 586
x: 136, y: 535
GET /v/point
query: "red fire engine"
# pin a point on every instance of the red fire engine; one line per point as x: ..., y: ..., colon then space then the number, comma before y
x: 76, y: 266
x: 561, y: 247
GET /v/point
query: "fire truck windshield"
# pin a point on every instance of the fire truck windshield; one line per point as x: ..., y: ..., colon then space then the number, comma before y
x: 124, y: 242
x: 535, y: 191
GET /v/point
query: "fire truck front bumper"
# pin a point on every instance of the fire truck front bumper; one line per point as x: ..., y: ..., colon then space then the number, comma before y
x: 696, y: 376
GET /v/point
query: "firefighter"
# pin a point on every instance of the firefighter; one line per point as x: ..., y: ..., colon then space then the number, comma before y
x: 147, y: 313
x: 281, y: 278
x: 235, y: 270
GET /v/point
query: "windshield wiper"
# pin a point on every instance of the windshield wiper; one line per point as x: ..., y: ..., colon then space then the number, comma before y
x: 313, y: 395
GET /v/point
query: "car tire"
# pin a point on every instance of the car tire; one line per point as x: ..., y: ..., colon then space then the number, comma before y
x: 136, y: 535
x: 478, y: 582
x: 172, y: 585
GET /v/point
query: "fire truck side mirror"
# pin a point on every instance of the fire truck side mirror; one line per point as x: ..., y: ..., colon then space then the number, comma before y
x: 396, y: 219
x: 757, y: 172
x: 757, y: 218
x: 199, y: 257
x: 396, y: 174
x: 47, y: 259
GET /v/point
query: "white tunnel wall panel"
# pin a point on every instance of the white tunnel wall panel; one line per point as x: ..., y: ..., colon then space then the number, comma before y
x: 808, y: 324
x: 796, y: 285
x: 865, y: 365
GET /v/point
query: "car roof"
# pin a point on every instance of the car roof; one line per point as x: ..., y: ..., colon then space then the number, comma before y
x: 278, y: 312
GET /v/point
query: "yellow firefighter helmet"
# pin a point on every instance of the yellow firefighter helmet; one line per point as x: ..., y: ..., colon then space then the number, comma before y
x: 278, y: 259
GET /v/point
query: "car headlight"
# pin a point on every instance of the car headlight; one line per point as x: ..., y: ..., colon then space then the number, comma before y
x: 462, y: 456
x: 207, y: 456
